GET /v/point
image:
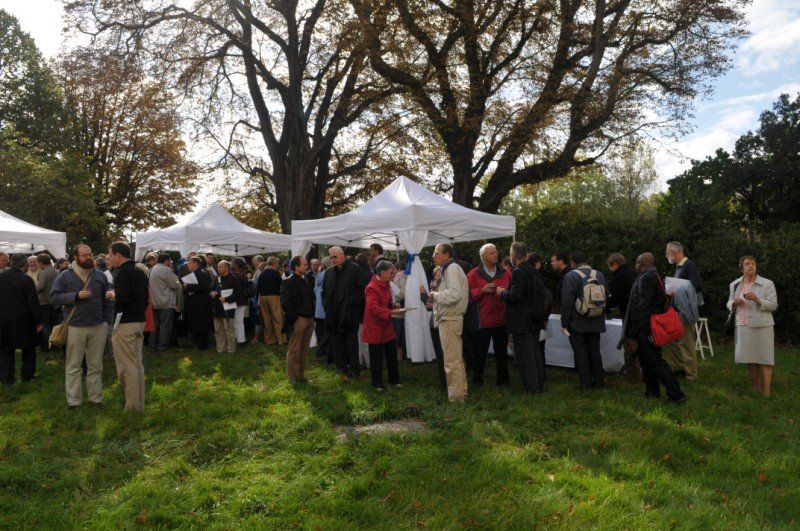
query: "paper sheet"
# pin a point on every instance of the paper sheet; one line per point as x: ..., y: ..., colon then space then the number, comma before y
x: 189, y: 279
x: 671, y: 284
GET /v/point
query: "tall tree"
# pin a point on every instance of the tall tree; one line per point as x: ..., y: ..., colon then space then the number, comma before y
x: 285, y: 77
x: 522, y: 91
x: 128, y: 130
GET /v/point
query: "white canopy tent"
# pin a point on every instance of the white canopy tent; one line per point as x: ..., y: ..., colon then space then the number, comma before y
x: 212, y: 230
x: 17, y: 236
x: 405, y: 215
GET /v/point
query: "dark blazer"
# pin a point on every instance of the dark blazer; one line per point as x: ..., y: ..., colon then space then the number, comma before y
x: 647, y: 298
x: 197, y: 304
x: 131, y: 293
x: 688, y: 271
x: 269, y: 282
x: 227, y: 282
x: 343, y: 297
x: 619, y: 289
x: 560, y: 285
x: 20, y: 313
x: 297, y: 300
x: 519, y: 318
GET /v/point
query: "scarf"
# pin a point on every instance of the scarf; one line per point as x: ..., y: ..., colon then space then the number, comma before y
x: 82, y: 273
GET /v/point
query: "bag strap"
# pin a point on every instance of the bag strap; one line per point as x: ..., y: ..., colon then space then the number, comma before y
x: 75, y: 306
x: 580, y: 273
x: 593, y: 275
x: 667, y: 302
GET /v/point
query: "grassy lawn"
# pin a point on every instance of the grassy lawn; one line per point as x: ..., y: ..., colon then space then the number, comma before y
x: 227, y: 442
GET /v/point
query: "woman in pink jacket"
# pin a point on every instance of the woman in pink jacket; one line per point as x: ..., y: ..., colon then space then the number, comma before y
x: 378, y: 331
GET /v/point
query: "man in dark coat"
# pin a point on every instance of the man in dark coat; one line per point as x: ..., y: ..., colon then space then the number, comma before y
x: 199, y: 320
x: 560, y: 264
x: 647, y: 298
x: 343, y: 300
x: 619, y: 291
x: 519, y: 319
x: 297, y: 302
x: 20, y: 321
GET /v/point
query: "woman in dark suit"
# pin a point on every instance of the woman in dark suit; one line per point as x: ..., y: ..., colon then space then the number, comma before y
x: 199, y: 320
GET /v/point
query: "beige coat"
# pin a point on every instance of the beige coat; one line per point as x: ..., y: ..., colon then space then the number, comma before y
x: 759, y: 314
x: 452, y: 295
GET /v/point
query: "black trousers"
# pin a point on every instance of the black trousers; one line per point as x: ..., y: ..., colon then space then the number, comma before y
x: 47, y: 321
x: 437, y: 349
x: 529, y: 362
x: 377, y: 353
x: 323, y: 339
x: 655, y: 370
x: 541, y: 354
x: 8, y: 357
x: 499, y: 339
x: 345, y: 351
x: 588, y: 361
x: 201, y: 340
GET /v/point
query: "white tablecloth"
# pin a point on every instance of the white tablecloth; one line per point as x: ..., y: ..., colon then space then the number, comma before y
x: 558, y: 352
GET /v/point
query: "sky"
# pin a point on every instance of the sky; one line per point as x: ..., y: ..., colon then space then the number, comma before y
x: 766, y: 64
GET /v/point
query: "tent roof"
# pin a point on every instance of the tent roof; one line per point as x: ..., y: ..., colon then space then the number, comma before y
x: 404, y: 205
x: 214, y: 230
x: 17, y: 236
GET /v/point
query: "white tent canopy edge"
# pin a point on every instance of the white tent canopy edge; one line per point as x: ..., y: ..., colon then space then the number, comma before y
x: 17, y: 236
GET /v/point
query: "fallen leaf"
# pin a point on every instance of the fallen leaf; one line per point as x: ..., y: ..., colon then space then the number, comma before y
x: 577, y: 468
x: 666, y: 457
x: 762, y: 477
x: 141, y: 519
x: 706, y: 439
x: 791, y: 421
x: 186, y: 358
x: 594, y: 451
x: 551, y: 477
x: 46, y: 486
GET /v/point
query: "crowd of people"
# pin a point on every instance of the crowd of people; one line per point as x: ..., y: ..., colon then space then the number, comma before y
x: 355, y: 308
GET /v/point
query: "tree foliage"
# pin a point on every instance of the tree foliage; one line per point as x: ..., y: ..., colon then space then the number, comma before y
x: 283, y: 78
x: 128, y: 129
x: 522, y: 91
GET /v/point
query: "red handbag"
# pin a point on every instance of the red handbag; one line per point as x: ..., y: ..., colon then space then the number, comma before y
x: 665, y: 327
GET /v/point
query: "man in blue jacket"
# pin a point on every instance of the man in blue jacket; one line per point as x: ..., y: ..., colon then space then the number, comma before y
x: 81, y: 290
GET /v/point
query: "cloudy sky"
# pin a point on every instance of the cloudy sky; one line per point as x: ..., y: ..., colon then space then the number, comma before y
x: 766, y: 65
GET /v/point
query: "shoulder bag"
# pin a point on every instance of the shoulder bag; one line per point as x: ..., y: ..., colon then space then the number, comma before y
x: 665, y: 327
x: 730, y: 323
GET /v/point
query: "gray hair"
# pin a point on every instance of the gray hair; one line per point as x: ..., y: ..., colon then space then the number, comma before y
x: 272, y: 261
x: 675, y: 246
x: 336, y: 249
x: 224, y: 263
x: 519, y: 251
x: 383, y: 265
x: 326, y: 262
x: 485, y: 247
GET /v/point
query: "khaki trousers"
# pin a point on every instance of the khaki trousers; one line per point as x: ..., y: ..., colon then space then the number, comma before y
x: 299, y: 341
x: 127, y: 340
x: 272, y: 316
x: 682, y: 354
x: 91, y: 342
x: 224, y: 334
x: 450, y: 335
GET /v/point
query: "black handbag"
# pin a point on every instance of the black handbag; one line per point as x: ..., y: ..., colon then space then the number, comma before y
x: 730, y: 324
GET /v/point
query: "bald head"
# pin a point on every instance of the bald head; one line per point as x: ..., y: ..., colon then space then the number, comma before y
x: 645, y: 261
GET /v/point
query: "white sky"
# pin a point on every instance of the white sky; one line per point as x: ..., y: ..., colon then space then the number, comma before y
x: 767, y: 64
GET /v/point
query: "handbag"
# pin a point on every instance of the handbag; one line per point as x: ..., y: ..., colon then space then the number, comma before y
x: 730, y: 324
x: 665, y: 327
x: 60, y: 332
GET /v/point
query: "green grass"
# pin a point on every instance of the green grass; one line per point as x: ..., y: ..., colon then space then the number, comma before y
x: 227, y: 442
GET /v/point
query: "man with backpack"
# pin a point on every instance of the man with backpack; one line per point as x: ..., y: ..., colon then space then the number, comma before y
x: 583, y: 300
x: 526, y: 307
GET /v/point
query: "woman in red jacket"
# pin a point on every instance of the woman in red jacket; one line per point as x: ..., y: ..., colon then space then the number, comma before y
x: 378, y: 331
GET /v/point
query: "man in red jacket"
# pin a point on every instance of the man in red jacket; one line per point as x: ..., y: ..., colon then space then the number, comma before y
x: 485, y: 284
x: 377, y: 330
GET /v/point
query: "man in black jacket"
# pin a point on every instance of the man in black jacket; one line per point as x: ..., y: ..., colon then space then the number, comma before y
x: 619, y: 292
x: 297, y: 302
x: 20, y: 321
x: 130, y: 296
x: 560, y: 264
x: 343, y: 300
x: 648, y: 298
x: 519, y: 319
